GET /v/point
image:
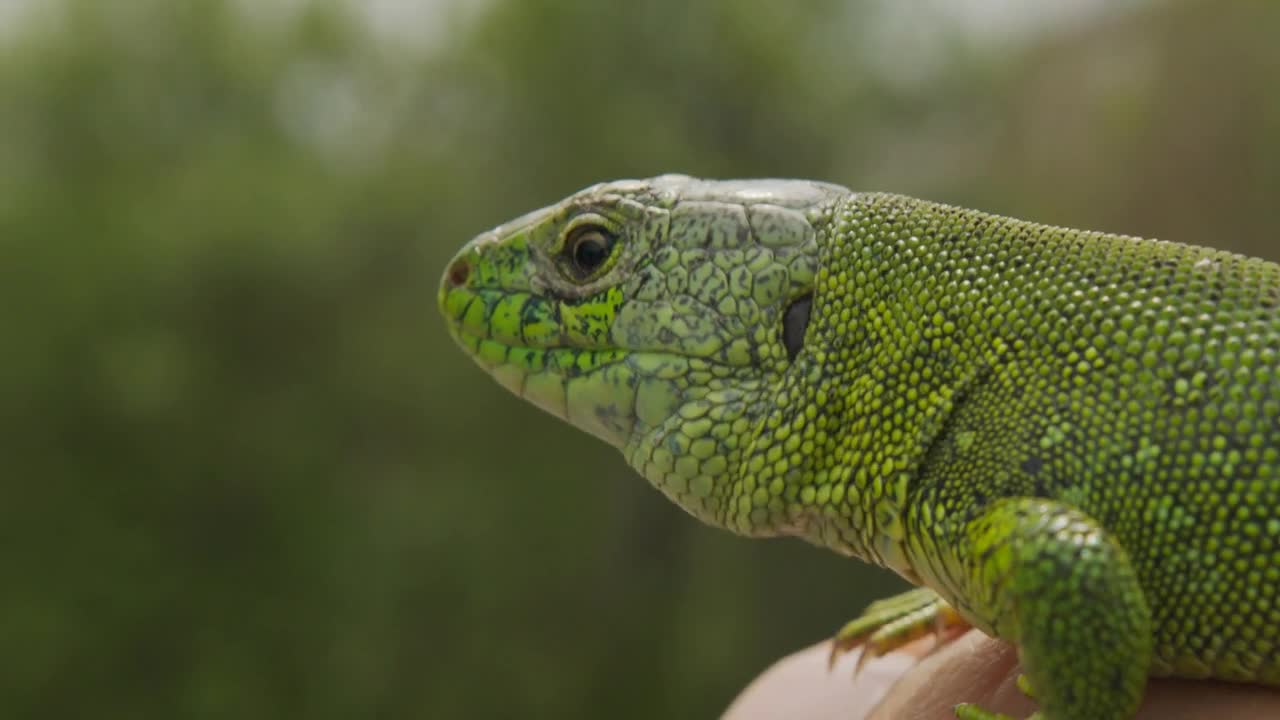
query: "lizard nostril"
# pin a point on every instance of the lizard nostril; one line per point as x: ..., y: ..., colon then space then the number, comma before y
x: 459, y: 271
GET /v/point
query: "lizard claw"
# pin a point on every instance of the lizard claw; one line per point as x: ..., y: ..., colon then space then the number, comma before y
x: 888, y: 624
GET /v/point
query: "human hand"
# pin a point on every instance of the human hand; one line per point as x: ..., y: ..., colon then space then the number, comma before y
x: 974, y: 668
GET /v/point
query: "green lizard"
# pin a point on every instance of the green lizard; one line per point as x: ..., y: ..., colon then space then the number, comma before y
x: 1069, y: 439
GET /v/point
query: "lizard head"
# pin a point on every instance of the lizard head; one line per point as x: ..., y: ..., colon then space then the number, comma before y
x: 660, y: 315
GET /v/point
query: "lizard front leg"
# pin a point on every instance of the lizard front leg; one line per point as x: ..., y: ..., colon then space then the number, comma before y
x: 1051, y: 580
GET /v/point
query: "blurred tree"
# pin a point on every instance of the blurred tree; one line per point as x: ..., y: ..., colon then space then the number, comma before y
x: 1163, y: 123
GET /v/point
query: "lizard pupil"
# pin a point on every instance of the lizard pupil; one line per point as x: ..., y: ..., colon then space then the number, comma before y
x: 590, y: 249
x: 794, y: 323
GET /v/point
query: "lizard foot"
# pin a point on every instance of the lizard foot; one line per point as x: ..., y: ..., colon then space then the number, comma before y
x: 965, y: 711
x: 893, y: 622
x: 969, y: 711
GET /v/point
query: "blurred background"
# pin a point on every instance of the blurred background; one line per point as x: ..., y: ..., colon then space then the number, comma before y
x: 246, y: 473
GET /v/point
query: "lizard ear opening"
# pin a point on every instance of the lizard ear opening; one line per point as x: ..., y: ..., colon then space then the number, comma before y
x: 794, y: 322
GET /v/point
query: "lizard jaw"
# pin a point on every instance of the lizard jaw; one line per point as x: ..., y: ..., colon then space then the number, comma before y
x: 590, y: 389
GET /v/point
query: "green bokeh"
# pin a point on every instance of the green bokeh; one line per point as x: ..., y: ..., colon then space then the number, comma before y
x: 245, y: 473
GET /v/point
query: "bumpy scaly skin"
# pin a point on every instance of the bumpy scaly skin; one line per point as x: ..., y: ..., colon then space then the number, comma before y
x: 1072, y: 437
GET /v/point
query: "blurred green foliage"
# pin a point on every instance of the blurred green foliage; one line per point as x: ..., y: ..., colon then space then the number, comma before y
x: 247, y: 475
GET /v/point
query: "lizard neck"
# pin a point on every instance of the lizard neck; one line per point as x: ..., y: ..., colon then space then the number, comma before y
x: 887, y: 358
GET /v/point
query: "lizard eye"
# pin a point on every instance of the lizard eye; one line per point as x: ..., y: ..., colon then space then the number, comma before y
x: 588, y: 248
x: 794, y: 323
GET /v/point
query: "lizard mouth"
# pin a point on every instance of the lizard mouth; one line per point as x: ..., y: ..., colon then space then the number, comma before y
x: 501, y: 328
x: 512, y: 365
